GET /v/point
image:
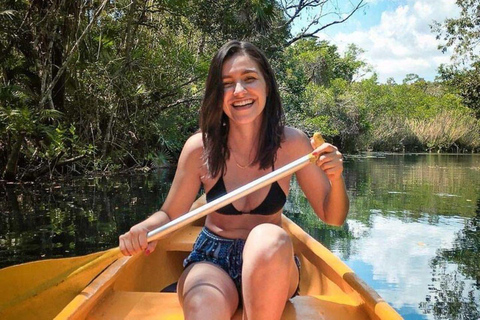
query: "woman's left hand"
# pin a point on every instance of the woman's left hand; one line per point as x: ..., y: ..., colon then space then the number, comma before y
x: 330, y: 160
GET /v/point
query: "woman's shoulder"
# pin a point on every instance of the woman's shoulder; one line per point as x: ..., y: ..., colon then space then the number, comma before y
x: 194, y: 145
x: 294, y: 136
x: 295, y: 142
x: 195, y: 140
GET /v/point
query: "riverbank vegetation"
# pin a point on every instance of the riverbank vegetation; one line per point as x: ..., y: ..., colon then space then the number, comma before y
x: 102, y: 86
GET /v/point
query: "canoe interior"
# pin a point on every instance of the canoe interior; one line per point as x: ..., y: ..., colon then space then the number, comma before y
x: 131, y: 287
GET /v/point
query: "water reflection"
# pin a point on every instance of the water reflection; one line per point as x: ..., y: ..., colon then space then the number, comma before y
x: 455, y: 286
x: 394, y: 257
x: 407, y: 213
x: 412, y: 232
x: 75, y: 217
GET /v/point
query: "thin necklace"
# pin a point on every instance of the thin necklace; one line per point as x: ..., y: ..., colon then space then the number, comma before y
x: 238, y: 164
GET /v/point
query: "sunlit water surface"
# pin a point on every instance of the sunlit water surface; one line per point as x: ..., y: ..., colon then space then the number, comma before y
x: 413, y: 232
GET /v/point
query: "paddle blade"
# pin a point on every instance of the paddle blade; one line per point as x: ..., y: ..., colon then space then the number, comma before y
x: 41, y: 289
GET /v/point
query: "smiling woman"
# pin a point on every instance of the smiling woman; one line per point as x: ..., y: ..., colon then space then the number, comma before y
x: 245, y: 90
x: 243, y: 256
x: 214, y: 121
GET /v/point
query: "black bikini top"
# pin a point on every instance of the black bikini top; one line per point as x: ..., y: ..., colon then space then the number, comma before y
x: 274, y: 201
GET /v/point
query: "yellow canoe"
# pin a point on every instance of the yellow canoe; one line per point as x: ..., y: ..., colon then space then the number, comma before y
x: 131, y: 287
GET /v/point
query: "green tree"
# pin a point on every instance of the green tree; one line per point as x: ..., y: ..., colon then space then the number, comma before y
x: 316, y: 84
x: 123, y: 75
x: 462, y: 35
x: 464, y: 81
x: 38, y: 41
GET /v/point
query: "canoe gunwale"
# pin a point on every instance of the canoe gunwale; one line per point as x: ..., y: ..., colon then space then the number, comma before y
x: 98, y: 288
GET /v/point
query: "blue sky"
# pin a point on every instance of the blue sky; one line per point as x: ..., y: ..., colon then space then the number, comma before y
x: 395, y: 35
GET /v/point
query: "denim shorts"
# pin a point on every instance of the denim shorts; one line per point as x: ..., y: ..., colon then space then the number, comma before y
x: 223, y: 252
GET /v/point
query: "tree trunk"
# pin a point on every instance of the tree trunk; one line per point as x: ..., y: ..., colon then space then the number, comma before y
x: 108, y: 132
x: 11, y: 168
x: 58, y: 91
x: 129, y: 32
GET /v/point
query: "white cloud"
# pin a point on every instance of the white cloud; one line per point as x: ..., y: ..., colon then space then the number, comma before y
x: 402, y: 42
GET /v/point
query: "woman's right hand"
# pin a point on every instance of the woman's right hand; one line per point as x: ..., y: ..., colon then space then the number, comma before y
x: 135, y: 241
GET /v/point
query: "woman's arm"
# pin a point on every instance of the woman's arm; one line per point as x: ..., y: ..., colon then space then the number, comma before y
x: 182, y: 193
x: 323, y: 184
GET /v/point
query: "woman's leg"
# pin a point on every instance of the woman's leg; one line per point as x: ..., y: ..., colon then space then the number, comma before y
x: 206, y: 291
x: 269, y: 274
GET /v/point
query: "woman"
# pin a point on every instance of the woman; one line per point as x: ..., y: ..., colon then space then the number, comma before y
x: 243, y: 256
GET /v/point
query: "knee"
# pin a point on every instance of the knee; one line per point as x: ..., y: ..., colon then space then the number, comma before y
x: 269, y: 236
x: 267, y: 242
x: 192, y: 300
x: 195, y: 300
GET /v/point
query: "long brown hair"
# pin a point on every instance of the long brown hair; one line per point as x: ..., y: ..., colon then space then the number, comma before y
x: 214, y: 123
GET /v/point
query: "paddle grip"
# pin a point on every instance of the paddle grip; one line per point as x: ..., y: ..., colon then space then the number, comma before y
x: 318, y: 139
x: 317, y: 142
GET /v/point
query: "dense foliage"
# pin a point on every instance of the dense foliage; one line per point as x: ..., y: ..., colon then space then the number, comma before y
x: 462, y: 37
x: 320, y: 94
x: 108, y: 85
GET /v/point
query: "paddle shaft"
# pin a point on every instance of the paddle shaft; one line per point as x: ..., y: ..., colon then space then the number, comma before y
x: 230, y: 197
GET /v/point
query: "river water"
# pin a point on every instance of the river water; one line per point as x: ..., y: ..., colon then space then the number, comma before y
x: 413, y: 231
